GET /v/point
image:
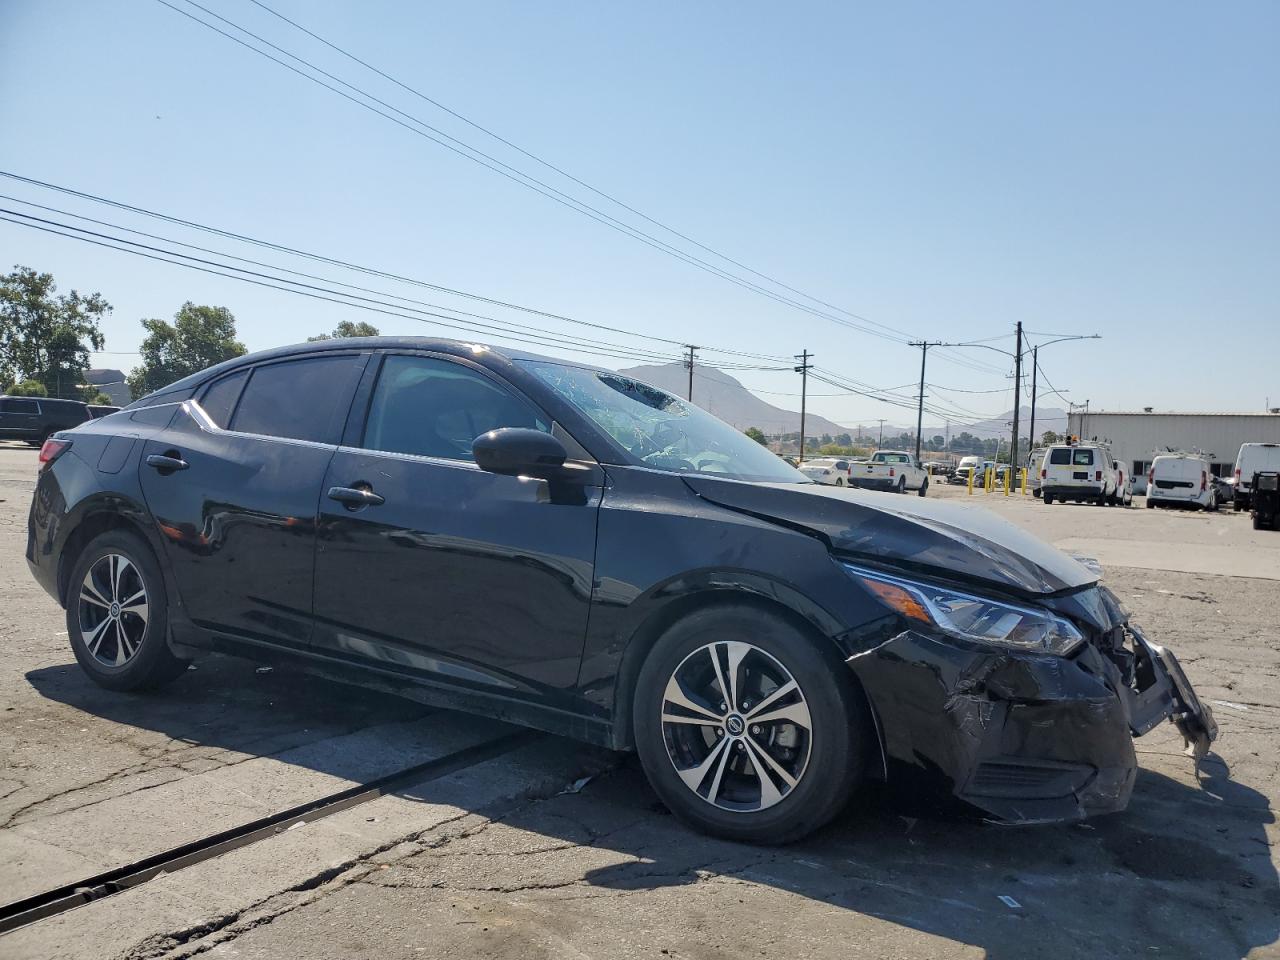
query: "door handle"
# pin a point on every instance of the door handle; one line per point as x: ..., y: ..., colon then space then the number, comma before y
x: 166, y: 463
x: 355, y: 497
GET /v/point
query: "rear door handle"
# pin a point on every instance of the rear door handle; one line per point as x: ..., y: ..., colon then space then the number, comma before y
x: 356, y: 497
x: 165, y: 463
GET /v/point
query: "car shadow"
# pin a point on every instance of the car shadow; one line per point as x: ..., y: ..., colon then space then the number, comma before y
x: 1187, y: 870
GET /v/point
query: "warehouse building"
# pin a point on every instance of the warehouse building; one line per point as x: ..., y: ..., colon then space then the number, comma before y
x: 1135, y: 438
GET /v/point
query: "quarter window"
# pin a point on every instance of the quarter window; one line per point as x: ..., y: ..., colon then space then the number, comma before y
x: 16, y: 405
x: 436, y: 408
x: 299, y: 399
x: 219, y: 401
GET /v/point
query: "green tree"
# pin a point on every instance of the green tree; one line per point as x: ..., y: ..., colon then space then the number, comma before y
x: 756, y: 434
x: 98, y: 399
x: 348, y: 328
x: 1049, y: 438
x: 199, y: 337
x: 46, y: 337
x: 28, y: 388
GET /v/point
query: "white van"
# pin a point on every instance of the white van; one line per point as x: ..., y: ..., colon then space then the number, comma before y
x: 1252, y: 458
x: 1180, y: 479
x: 1083, y: 472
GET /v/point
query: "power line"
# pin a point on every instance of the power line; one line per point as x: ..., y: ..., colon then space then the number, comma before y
x: 320, y: 258
x: 564, y: 173
x: 330, y: 296
x: 511, y: 173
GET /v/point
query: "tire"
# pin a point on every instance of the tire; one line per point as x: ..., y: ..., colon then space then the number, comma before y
x: 1047, y: 499
x: 924, y: 487
x: 839, y: 481
x: 826, y: 762
x: 96, y: 616
x: 1257, y: 522
x: 1237, y: 505
x: 1150, y: 504
x: 902, y: 485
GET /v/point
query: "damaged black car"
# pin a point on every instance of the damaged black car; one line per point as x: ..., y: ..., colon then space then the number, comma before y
x: 567, y: 548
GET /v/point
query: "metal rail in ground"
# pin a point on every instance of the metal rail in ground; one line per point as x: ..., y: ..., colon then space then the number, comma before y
x: 61, y: 899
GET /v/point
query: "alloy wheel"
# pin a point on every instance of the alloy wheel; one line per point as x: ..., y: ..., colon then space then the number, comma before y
x: 113, y: 609
x: 737, y: 726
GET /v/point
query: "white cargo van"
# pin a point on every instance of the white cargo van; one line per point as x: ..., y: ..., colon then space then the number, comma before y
x: 1180, y: 479
x: 1252, y: 458
x: 1083, y: 472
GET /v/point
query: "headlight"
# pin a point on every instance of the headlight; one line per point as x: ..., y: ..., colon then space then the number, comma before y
x: 973, y: 618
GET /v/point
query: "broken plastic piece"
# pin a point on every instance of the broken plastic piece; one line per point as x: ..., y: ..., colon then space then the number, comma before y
x: 1009, y: 902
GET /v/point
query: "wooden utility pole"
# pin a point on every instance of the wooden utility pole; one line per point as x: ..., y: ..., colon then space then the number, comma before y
x: 924, y: 346
x: 689, y: 365
x: 803, y: 370
x: 1017, y: 400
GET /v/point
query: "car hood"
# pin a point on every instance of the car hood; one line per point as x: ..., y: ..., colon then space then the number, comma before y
x: 944, y: 539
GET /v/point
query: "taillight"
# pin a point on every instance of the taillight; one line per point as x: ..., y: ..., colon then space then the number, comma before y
x: 1097, y: 475
x: 51, y: 450
x: 1043, y: 473
x: 1151, y: 475
x: 891, y: 471
x: 1237, y: 474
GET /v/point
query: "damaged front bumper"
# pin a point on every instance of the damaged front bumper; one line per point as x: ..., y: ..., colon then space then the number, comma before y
x: 1026, y: 738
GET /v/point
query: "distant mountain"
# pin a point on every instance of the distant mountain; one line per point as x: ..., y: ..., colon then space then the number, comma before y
x: 722, y: 395
x: 1047, y: 418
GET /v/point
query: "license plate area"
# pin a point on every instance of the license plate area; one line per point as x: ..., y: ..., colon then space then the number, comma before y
x: 1080, y: 475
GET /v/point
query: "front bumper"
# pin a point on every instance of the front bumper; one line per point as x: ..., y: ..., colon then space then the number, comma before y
x: 1024, y: 739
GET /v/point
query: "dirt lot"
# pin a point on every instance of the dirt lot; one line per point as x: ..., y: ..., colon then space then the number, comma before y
x: 507, y: 855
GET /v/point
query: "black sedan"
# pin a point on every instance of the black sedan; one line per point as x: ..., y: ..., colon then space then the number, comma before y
x: 568, y: 548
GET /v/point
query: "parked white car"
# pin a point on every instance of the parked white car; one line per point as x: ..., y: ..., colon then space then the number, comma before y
x: 1180, y: 480
x: 829, y: 470
x: 894, y: 470
x: 1252, y: 458
x: 1083, y: 472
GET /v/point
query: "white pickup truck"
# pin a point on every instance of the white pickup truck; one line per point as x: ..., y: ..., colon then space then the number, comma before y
x: 892, y: 470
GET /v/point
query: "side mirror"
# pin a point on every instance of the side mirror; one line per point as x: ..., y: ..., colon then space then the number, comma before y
x: 519, y: 451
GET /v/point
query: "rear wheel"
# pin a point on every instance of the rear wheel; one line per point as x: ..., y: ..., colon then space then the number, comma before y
x: 117, y: 614
x: 902, y: 485
x: 1237, y: 506
x: 746, y: 728
x: 1257, y: 521
x: 1150, y: 504
x: 839, y: 481
x: 924, y: 486
x: 1047, y: 499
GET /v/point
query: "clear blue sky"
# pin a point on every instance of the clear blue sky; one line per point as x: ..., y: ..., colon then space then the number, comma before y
x: 945, y: 169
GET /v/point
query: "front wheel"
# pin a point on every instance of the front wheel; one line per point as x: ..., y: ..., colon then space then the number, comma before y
x: 839, y: 481
x: 1047, y: 499
x: 117, y: 614
x: 747, y: 728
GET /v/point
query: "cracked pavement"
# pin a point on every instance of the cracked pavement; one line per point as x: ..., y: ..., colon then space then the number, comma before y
x: 495, y: 860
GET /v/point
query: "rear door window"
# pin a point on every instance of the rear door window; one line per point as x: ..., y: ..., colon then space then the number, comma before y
x: 1082, y: 458
x: 1061, y: 456
x: 18, y: 405
x: 436, y: 408
x: 303, y: 399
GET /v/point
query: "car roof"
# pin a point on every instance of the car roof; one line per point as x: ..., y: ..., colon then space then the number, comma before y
x: 10, y: 396
x: 474, y: 350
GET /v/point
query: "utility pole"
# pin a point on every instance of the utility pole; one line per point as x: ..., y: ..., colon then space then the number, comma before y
x: 1035, y: 364
x: 803, y: 370
x: 924, y: 346
x: 689, y: 364
x: 881, y: 443
x: 1017, y: 400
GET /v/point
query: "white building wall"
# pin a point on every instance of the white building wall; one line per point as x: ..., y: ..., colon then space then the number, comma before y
x: 1136, y: 437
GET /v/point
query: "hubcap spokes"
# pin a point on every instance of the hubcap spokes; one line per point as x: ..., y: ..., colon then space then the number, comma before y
x: 113, y: 609
x: 736, y: 726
